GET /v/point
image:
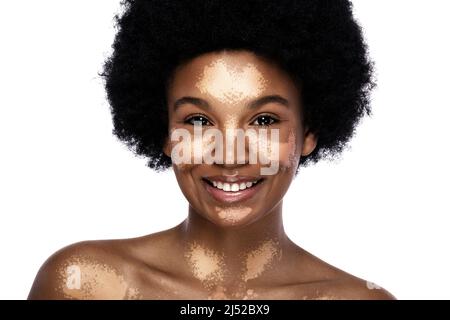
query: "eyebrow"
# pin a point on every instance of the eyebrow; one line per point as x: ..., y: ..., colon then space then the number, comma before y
x: 252, y: 104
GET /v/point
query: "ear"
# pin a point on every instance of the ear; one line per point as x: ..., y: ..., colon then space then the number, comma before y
x: 309, y: 142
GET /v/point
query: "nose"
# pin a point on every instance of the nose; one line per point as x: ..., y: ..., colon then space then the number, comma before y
x: 231, y: 168
x: 235, y: 148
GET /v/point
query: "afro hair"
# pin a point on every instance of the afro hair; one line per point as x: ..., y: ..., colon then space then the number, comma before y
x: 317, y: 42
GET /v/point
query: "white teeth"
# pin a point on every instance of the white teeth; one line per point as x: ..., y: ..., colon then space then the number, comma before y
x: 233, y: 187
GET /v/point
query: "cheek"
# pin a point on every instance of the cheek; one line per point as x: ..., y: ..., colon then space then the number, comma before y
x: 190, y: 149
x: 283, y: 149
x: 182, y: 146
x: 288, y: 151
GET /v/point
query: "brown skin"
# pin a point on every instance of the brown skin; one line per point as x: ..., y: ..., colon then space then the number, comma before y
x: 157, y: 266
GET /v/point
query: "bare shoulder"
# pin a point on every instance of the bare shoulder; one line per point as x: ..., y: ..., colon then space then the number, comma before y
x: 352, y: 288
x: 86, y: 270
x: 323, y: 281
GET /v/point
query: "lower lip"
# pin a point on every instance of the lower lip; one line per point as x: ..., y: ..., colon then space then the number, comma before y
x: 230, y: 197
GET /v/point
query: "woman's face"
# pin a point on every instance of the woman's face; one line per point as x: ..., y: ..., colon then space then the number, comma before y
x: 229, y: 92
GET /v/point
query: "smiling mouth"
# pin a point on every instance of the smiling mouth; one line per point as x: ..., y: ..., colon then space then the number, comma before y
x: 239, y: 190
x: 232, y: 186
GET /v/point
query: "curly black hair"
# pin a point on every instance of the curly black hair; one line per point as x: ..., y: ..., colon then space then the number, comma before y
x: 317, y: 42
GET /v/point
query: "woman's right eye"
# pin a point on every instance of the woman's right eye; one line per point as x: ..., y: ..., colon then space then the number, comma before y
x: 198, y: 119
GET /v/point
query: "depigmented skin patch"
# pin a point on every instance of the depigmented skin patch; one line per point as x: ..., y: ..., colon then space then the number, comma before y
x: 219, y: 293
x: 231, y: 85
x: 257, y: 261
x: 292, y: 149
x: 206, y: 265
x: 211, y: 269
x: 233, y: 214
x: 87, y: 279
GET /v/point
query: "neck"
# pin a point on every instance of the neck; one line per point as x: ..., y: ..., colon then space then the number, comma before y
x: 226, y: 255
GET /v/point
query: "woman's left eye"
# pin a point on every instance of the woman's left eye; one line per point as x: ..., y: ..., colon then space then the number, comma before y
x: 264, y: 120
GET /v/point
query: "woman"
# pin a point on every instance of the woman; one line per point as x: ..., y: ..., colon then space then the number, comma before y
x: 298, y: 70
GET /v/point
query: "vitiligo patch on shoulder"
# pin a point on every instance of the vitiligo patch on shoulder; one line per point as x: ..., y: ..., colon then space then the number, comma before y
x: 86, y: 278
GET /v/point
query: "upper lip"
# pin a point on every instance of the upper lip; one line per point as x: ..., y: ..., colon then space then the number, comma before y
x: 231, y: 179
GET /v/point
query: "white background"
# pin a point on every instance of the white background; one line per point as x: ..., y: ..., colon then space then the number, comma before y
x: 381, y: 213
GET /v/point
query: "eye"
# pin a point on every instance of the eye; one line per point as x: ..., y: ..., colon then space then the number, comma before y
x: 198, y: 118
x: 264, y: 120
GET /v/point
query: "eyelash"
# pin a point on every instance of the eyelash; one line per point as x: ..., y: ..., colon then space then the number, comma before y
x: 271, y: 118
x: 188, y: 120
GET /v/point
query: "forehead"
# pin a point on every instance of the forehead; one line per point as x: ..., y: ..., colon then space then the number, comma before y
x: 230, y: 77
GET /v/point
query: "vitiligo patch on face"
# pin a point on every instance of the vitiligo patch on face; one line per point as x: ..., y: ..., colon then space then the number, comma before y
x: 230, y: 84
x: 260, y: 259
x: 233, y: 214
x: 87, y: 279
x: 292, y: 148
